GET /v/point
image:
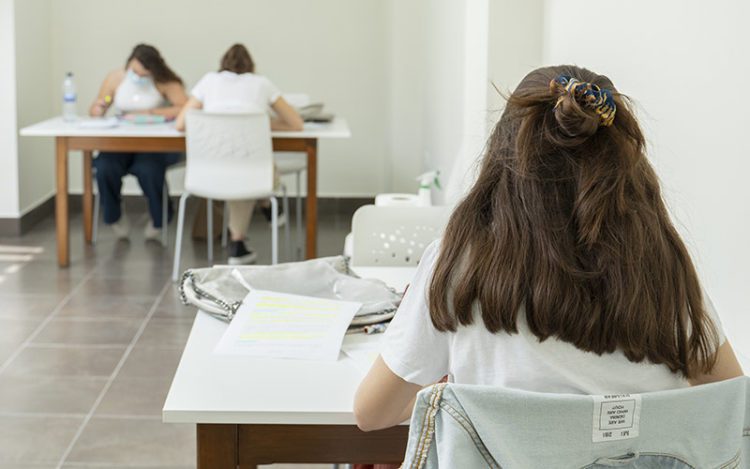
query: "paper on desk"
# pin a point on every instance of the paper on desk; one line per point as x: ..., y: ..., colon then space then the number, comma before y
x: 98, y: 123
x: 280, y: 325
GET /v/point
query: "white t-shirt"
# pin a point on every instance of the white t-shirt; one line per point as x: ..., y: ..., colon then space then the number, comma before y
x: 418, y: 353
x: 231, y: 92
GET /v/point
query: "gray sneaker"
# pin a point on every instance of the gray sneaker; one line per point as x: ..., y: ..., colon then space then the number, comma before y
x: 121, y: 227
x: 151, y: 233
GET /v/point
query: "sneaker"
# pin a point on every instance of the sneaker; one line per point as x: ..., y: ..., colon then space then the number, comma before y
x: 121, y: 227
x: 151, y: 233
x: 239, y: 254
x: 266, y: 209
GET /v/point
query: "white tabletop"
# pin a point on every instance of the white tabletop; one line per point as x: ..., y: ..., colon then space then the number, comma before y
x: 396, y: 277
x: 57, y: 127
x: 209, y: 388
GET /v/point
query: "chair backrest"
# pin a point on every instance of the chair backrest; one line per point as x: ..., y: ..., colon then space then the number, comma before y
x: 396, y: 235
x: 229, y: 156
x: 485, y: 426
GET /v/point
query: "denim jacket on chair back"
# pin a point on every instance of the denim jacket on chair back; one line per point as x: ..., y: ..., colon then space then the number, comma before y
x: 467, y: 426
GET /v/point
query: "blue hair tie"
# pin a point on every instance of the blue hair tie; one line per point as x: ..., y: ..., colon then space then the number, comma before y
x: 589, y: 95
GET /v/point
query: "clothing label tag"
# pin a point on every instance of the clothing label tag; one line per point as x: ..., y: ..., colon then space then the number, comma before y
x: 616, y: 417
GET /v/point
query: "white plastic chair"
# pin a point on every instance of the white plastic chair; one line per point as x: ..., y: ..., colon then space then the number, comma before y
x: 395, y: 236
x: 229, y: 157
x: 287, y: 163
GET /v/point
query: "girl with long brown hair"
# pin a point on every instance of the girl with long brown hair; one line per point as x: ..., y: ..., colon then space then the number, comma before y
x: 560, y: 271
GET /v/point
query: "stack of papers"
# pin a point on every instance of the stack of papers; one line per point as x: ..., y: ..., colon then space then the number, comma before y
x: 280, y: 325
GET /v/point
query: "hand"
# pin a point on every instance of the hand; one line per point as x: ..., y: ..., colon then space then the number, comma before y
x: 100, y: 106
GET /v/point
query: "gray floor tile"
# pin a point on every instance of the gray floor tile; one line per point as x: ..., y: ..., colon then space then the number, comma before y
x: 107, y: 286
x: 83, y: 305
x: 39, y: 394
x: 135, y: 396
x: 170, y: 306
x: 136, y: 442
x: 50, y: 284
x: 149, y: 362
x: 166, y: 333
x: 26, y: 306
x: 29, y: 466
x: 88, y: 331
x: 16, y: 331
x: 65, y: 361
x: 33, y: 440
x: 6, y: 351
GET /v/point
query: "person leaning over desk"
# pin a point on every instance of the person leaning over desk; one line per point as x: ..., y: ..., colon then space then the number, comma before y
x: 235, y: 88
x: 559, y: 272
x: 145, y: 90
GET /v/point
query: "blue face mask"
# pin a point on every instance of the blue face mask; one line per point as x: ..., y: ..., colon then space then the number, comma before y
x: 137, y: 79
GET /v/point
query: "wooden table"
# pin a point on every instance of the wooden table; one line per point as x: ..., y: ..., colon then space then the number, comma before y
x: 160, y: 138
x: 251, y: 411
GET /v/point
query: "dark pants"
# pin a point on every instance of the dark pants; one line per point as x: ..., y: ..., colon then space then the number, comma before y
x: 148, y: 168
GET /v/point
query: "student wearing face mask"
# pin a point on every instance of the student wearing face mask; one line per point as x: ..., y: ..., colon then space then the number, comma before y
x: 145, y: 87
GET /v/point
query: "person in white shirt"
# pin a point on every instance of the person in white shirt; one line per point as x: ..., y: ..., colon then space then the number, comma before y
x: 236, y: 88
x: 560, y: 271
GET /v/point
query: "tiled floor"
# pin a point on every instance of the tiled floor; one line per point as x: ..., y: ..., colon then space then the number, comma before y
x: 87, y: 353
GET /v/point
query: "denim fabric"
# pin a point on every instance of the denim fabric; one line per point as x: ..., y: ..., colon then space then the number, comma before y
x: 468, y: 426
x: 641, y: 461
x: 148, y: 168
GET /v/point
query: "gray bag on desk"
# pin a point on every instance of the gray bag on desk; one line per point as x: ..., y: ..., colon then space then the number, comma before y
x: 220, y: 290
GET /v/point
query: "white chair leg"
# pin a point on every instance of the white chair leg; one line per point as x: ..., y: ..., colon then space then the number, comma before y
x: 95, y: 229
x: 287, y: 232
x: 178, y: 241
x: 225, y: 225
x: 210, y: 230
x: 274, y: 231
x: 298, y: 209
x: 165, y: 214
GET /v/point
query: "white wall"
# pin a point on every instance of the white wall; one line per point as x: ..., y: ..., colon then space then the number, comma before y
x: 516, y: 31
x: 685, y: 63
x: 33, y: 45
x: 332, y: 49
x: 455, y: 91
x: 407, y: 75
x: 8, y: 140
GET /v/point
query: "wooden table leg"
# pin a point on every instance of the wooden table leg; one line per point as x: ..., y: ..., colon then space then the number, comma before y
x: 88, y: 197
x: 217, y: 446
x: 323, y: 444
x: 61, y: 202
x: 311, y: 215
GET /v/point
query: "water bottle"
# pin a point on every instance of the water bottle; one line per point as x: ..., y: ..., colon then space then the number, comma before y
x: 69, y: 98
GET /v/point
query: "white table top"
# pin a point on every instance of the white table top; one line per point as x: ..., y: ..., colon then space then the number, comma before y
x: 57, y: 127
x: 210, y: 388
x: 396, y: 277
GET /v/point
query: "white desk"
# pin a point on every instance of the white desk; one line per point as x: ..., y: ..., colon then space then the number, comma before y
x: 259, y: 411
x: 396, y: 277
x: 161, y: 138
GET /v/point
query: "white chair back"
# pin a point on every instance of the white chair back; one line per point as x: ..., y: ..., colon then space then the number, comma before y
x: 229, y: 156
x: 395, y: 236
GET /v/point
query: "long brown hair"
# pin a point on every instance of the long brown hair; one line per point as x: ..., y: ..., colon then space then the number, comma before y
x: 237, y: 59
x: 152, y: 61
x: 566, y: 224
